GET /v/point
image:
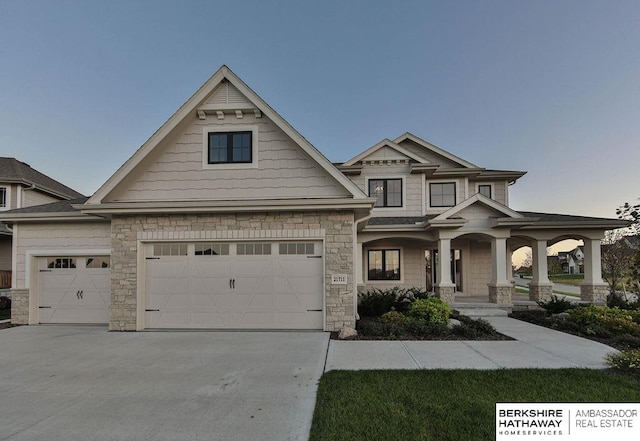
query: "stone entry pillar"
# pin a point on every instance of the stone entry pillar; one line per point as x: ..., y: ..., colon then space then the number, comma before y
x: 445, y: 289
x: 593, y: 289
x: 540, y: 288
x: 500, y: 287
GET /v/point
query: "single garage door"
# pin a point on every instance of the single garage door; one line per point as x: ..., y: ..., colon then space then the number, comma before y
x: 244, y: 285
x: 74, y: 289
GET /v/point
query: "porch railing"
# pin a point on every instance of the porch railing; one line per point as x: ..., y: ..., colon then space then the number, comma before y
x: 5, y: 279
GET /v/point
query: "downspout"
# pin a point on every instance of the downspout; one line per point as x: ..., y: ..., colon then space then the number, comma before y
x: 356, y: 223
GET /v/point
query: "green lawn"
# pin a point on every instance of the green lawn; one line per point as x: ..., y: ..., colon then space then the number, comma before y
x: 442, y: 405
x: 567, y: 279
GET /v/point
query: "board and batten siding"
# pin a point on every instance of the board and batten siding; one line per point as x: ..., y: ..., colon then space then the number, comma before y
x: 175, y: 170
x: 58, y: 236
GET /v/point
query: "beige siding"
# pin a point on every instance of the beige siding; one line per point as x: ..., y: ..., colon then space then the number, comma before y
x: 411, y: 264
x: 479, y: 271
x: 59, y: 236
x: 412, y: 187
x: 175, y: 171
x: 31, y: 198
x: 498, y: 189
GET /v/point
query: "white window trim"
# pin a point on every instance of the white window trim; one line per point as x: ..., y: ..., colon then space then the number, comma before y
x: 369, y: 281
x: 442, y: 181
x: 402, y: 178
x: 493, y: 190
x: 230, y: 128
x: 7, y: 197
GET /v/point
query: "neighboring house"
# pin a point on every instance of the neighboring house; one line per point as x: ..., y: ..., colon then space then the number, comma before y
x: 572, y: 261
x: 228, y: 218
x: 22, y: 186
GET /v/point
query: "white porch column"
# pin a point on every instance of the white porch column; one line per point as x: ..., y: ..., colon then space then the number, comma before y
x: 593, y: 289
x: 445, y: 289
x: 540, y: 288
x: 500, y: 287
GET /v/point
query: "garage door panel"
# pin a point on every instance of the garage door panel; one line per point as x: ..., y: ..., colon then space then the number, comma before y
x: 230, y: 291
x: 73, y: 295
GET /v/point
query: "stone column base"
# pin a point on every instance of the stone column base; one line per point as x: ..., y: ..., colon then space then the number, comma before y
x: 500, y: 294
x: 446, y: 293
x: 540, y: 292
x: 594, y: 292
x: 20, y: 306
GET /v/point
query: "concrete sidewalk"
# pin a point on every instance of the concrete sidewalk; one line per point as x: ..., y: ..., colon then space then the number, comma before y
x: 533, y: 347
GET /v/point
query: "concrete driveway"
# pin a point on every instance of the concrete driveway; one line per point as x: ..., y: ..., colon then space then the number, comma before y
x: 84, y: 383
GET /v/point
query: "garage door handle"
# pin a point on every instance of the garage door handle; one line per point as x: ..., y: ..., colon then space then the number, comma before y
x: 79, y: 294
x: 44, y: 307
x: 152, y: 310
x: 45, y: 271
x: 314, y: 310
x: 314, y: 257
x: 232, y: 283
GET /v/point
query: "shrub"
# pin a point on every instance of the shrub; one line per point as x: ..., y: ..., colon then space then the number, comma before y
x: 376, y: 302
x: 626, y: 341
x: 615, y: 300
x: 5, y: 303
x: 394, y: 317
x: 606, y: 322
x: 481, y: 326
x: 626, y: 361
x: 422, y: 328
x: 431, y: 310
x: 556, y: 305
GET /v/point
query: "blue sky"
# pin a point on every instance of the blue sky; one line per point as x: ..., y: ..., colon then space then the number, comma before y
x: 551, y: 87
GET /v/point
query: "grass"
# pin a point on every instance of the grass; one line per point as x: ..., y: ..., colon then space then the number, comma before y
x: 567, y: 279
x: 447, y: 405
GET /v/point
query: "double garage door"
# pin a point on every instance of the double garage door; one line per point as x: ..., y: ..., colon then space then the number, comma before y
x: 227, y: 285
x: 74, y: 289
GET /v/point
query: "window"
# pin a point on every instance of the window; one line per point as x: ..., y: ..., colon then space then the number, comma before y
x: 250, y: 249
x: 387, y: 191
x: 296, y: 248
x: 443, y: 194
x: 485, y: 190
x: 384, y: 265
x: 212, y: 249
x: 61, y: 262
x: 170, y: 249
x: 98, y: 262
x: 230, y: 147
x: 3, y: 197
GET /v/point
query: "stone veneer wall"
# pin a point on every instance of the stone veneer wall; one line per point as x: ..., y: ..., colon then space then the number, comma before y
x: 337, y: 228
x: 20, y: 306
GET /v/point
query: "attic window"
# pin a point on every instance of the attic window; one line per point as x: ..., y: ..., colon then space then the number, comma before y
x: 230, y: 147
x: 485, y: 190
x: 442, y: 194
x: 3, y: 197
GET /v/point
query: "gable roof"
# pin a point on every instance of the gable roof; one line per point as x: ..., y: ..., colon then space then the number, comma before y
x: 17, y: 172
x: 434, y: 148
x: 385, y: 143
x: 198, y: 103
x: 482, y: 199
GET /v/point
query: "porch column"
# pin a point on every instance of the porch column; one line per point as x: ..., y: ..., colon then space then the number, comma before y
x: 445, y: 289
x: 540, y: 288
x: 509, y: 262
x: 500, y: 287
x: 593, y: 289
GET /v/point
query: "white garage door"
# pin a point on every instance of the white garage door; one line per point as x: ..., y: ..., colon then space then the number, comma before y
x: 74, y: 289
x: 257, y: 285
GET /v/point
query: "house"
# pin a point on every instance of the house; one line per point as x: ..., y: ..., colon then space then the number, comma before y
x: 228, y: 218
x: 22, y: 186
x: 571, y: 261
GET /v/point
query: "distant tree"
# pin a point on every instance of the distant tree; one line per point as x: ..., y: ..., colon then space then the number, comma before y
x: 631, y: 213
x: 617, y: 258
x: 554, y: 265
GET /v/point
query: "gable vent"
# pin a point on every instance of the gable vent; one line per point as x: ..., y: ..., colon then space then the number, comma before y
x: 228, y: 94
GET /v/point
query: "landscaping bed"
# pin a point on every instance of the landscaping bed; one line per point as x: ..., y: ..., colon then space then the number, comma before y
x: 617, y: 324
x: 414, y: 314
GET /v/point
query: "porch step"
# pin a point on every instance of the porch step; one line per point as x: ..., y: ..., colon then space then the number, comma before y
x: 482, y: 309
